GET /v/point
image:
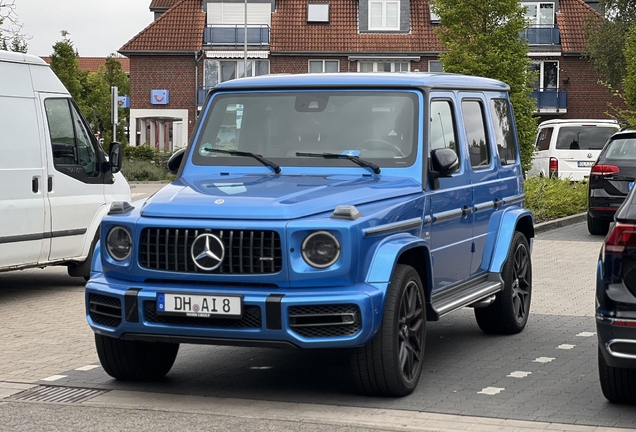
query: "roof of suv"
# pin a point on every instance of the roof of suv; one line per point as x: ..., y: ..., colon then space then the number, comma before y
x: 577, y: 121
x: 373, y: 79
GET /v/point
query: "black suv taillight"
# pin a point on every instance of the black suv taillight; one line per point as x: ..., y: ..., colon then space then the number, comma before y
x: 604, y: 170
x: 622, y: 235
x: 620, y: 244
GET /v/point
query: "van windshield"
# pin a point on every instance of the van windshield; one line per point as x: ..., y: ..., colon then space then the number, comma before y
x: 583, y: 137
x: 377, y: 126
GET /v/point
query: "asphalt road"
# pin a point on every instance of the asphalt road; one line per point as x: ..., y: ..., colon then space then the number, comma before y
x: 546, y: 374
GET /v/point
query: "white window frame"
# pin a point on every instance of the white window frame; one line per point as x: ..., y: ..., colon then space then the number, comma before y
x: 323, y: 64
x: 383, y: 26
x: 435, y: 19
x: 541, y: 72
x: 378, y: 62
x: 435, y: 61
x: 239, y: 63
x: 318, y: 12
x: 534, y: 21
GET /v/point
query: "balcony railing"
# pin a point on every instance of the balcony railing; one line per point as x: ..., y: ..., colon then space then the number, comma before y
x: 551, y: 101
x: 542, y: 35
x: 233, y: 36
x: 202, y: 92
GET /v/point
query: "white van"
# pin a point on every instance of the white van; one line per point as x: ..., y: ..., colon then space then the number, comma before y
x: 567, y: 149
x: 57, y: 182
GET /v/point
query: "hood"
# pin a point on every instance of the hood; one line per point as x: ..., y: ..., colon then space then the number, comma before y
x: 271, y: 196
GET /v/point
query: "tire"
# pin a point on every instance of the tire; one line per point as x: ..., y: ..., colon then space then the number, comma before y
x: 83, y: 269
x: 597, y: 226
x: 618, y: 384
x: 509, y: 313
x: 135, y: 360
x: 391, y: 364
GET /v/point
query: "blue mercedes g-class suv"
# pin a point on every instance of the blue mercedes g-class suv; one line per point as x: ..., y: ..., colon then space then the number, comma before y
x: 344, y: 211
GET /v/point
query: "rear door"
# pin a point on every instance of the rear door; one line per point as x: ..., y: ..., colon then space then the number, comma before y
x: 75, y: 181
x: 22, y: 205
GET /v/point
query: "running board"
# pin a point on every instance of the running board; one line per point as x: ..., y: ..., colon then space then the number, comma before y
x: 465, y: 295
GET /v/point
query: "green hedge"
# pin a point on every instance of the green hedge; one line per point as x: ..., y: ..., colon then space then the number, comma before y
x: 145, y: 163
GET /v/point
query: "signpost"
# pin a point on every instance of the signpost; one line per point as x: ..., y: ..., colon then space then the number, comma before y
x: 114, y: 110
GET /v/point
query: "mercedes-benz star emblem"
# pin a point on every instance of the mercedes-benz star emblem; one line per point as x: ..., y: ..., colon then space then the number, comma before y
x: 589, y: 155
x: 207, y: 252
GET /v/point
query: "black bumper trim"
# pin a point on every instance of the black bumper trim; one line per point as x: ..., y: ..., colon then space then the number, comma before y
x: 131, y: 306
x: 209, y: 341
x: 273, y: 318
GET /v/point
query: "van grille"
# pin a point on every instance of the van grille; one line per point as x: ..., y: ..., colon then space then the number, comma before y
x: 246, y: 251
x: 104, y: 310
x: 251, y: 318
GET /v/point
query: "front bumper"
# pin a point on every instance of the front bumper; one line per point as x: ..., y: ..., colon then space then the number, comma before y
x: 127, y: 310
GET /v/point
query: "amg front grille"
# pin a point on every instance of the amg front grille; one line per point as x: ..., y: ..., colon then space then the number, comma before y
x: 104, y: 310
x: 325, y: 320
x: 251, y: 318
x: 246, y: 251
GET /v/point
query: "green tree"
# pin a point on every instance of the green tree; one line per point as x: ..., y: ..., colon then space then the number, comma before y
x: 65, y: 64
x: 609, y: 59
x: 482, y: 38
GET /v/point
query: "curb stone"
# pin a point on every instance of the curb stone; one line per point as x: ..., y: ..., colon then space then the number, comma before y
x: 558, y: 223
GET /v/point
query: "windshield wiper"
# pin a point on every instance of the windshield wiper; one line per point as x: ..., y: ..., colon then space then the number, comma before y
x: 259, y: 158
x: 352, y: 158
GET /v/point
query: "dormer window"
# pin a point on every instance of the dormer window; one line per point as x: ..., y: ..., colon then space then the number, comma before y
x: 384, y: 15
x: 435, y: 19
x: 540, y: 14
x: 317, y: 12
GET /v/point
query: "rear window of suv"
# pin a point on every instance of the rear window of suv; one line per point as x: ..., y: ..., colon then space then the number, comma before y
x: 583, y: 137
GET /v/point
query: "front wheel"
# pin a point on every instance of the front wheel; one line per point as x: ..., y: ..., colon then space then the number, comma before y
x: 391, y: 364
x: 508, y: 314
x: 130, y: 360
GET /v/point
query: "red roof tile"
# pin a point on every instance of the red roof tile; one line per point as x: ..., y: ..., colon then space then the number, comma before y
x: 178, y: 29
x: 162, y: 4
x: 92, y: 64
x: 290, y: 31
x: 572, y: 20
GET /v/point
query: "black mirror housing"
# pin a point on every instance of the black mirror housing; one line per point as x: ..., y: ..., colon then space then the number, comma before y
x: 444, y: 161
x: 115, y: 156
x: 175, y: 160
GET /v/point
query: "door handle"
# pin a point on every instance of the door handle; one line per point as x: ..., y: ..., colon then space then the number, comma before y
x: 35, y: 185
x: 50, y: 184
x: 467, y: 210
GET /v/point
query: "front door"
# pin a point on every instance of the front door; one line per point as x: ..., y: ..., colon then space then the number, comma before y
x: 75, y: 180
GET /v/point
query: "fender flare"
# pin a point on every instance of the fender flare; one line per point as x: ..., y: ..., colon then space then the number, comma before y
x: 510, y: 220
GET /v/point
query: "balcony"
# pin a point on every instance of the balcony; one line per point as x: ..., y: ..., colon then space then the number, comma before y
x: 542, y: 35
x: 550, y: 101
x: 233, y: 36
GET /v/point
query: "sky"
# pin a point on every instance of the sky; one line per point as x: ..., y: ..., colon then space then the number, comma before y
x: 97, y: 28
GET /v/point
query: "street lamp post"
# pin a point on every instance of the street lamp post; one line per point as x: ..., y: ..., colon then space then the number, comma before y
x: 245, y: 41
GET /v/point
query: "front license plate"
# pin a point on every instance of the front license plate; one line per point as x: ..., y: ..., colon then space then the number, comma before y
x: 203, y: 306
x: 585, y: 163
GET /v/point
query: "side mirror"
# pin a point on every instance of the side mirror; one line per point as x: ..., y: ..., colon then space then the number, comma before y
x: 115, y: 157
x: 444, y: 162
x: 175, y: 160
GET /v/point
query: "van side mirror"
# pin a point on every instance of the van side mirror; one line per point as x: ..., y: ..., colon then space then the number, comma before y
x: 115, y: 156
x: 444, y: 162
x: 175, y: 160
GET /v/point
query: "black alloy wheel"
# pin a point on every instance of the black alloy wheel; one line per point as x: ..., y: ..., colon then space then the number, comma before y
x: 410, y: 331
x: 520, y: 284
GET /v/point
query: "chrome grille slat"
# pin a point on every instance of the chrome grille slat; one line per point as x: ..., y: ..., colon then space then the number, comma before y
x: 169, y: 249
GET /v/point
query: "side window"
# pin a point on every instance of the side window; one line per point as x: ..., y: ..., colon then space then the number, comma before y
x: 544, y: 138
x: 70, y: 138
x: 478, y: 146
x: 443, y: 126
x: 504, y: 131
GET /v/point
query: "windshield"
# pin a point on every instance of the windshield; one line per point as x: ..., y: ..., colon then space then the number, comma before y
x: 583, y: 137
x: 379, y: 127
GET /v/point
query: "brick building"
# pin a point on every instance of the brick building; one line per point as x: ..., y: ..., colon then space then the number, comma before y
x: 194, y: 44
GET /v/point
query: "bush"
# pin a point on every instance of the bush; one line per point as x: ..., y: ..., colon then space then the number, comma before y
x: 551, y: 198
x: 141, y: 170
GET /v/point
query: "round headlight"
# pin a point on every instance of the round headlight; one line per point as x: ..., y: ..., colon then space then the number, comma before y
x: 320, y: 249
x: 119, y: 243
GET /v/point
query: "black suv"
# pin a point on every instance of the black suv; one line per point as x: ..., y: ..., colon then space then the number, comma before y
x: 616, y: 307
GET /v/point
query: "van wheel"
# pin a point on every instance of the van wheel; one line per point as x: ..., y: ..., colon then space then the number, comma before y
x: 83, y: 269
x: 597, y: 226
x: 508, y: 314
x: 618, y: 384
x: 391, y: 364
x: 130, y: 360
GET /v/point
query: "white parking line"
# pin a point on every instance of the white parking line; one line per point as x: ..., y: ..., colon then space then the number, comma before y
x: 566, y: 346
x: 519, y: 374
x: 54, y: 378
x: 87, y: 368
x: 491, y: 391
x: 586, y: 334
x: 543, y: 359
x: 137, y: 194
